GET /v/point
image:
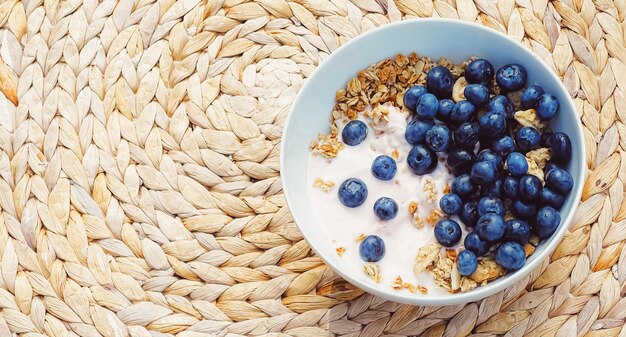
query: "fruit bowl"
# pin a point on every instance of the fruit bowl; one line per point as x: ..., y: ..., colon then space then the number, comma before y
x: 436, y: 38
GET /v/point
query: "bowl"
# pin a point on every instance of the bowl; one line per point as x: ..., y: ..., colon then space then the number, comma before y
x: 456, y: 40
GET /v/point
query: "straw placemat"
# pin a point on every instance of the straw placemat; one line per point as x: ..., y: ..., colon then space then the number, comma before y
x: 139, y: 172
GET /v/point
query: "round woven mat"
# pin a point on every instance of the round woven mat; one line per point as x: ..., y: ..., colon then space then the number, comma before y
x: 139, y: 171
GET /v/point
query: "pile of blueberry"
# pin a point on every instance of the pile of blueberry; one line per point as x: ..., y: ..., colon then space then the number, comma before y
x: 486, y: 154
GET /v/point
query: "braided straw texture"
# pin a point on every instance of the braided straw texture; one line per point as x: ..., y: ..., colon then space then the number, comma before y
x: 139, y: 172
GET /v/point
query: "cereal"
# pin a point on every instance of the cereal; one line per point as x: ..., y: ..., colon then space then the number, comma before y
x: 425, y: 257
x: 529, y: 249
x: 340, y: 250
x: 360, y: 238
x: 534, y: 169
x: 540, y: 156
x: 458, y: 88
x: 455, y: 278
x: 431, y: 190
x: 327, y: 145
x: 324, y: 185
x: 434, y: 216
x: 395, y: 154
x: 372, y: 271
x: 529, y: 118
x: 467, y: 284
x: 442, y: 271
x: 487, y: 270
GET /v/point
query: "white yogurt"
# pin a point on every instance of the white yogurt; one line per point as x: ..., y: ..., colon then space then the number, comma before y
x: 342, y: 225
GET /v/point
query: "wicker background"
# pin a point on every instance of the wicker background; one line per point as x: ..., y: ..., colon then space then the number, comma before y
x: 139, y: 181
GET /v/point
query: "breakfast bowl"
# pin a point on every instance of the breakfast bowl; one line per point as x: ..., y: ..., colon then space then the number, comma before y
x: 309, y: 117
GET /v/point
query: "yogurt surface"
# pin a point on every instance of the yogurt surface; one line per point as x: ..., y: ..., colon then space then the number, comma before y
x: 402, y: 236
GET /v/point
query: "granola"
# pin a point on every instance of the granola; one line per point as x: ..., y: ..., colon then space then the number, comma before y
x: 529, y: 118
x: 324, y: 185
x: 529, y: 249
x: 467, y: 284
x: 458, y: 89
x: 442, y: 271
x: 426, y: 255
x: 360, y: 238
x: 539, y: 156
x: 340, y: 250
x: 431, y: 190
x: 399, y: 284
x: 434, y: 216
x: 534, y: 169
x: 378, y: 116
x: 488, y: 270
x: 327, y: 145
x: 372, y: 271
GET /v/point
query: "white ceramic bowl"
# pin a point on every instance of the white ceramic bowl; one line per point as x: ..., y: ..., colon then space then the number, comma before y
x: 456, y: 40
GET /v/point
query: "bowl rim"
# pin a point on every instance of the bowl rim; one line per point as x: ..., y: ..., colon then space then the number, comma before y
x: 481, y: 291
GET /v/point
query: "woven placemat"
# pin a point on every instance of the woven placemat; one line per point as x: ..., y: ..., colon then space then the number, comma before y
x: 139, y: 171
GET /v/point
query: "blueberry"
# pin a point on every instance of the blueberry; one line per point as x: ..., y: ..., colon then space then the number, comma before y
x: 492, y: 124
x: 466, y: 135
x: 469, y: 213
x: 527, y: 138
x: 466, y: 263
x: 503, y: 146
x: 352, y: 192
x: 460, y: 161
x: 490, y: 227
x: 450, y: 204
x: 511, y: 77
x: 462, y: 111
x: 354, y: 133
x: 559, y: 180
x: 517, y: 230
x: 421, y: 160
x: 384, y: 168
x: 547, y: 107
x: 474, y: 243
x: 524, y: 210
x: 491, y: 205
x: 516, y: 164
x: 385, y: 208
x: 412, y: 95
x: 415, y: 132
x: 445, y: 108
x: 463, y: 186
x: 529, y: 188
x: 372, y: 248
x: 560, y: 147
x: 546, y: 222
x: 490, y: 156
x: 479, y: 71
x: 502, y: 104
x: 550, y: 165
x: 484, y: 173
x: 438, y: 138
x: 530, y: 96
x: 439, y: 81
x: 447, y: 232
x: 552, y: 198
x: 510, y: 187
x: 511, y: 256
x: 493, y: 190
x: 427, y: 106
x: 545, y: 139
x: 477, y: 94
